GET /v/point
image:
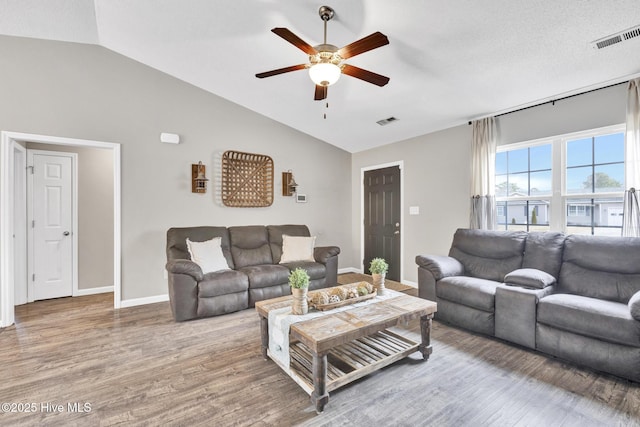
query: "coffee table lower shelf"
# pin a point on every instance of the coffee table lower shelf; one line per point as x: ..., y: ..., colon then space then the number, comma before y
x: 350, y: 361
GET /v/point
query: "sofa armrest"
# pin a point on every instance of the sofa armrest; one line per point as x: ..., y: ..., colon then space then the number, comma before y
x: 322, y: 254
x: 185, y: 266
x: 634, y: 306
x: 440, y: 266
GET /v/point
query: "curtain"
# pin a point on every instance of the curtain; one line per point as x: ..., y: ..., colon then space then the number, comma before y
x: 483, y: 171
x: 631, y: 218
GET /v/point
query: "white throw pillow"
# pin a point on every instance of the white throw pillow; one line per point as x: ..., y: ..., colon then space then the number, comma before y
x: 297, y: 248
x: 208, y: 255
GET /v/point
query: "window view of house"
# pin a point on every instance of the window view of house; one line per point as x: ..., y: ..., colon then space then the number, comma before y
x: 586, y: 198
x: 595, y: 168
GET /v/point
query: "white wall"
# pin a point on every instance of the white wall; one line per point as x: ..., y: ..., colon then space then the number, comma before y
x: 437, y: 168
x: 88, y: 92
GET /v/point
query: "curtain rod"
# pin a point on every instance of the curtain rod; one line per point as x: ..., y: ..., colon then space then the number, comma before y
x: 553, y: 101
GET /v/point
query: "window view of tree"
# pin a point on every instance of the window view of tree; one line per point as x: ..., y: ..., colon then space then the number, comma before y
x: 602, y: 181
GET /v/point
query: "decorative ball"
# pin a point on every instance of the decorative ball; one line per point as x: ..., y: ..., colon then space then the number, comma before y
x: 341, y: 292
x: 352, y: 293
x: 320, y: 298
x: 334, y: 298
x: 362, y: 291
x: 369, y: 287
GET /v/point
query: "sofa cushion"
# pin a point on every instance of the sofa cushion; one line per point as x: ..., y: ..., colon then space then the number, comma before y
x: 469, y: 291
x: 177, y: 241
x: 297, y: 248
x: 250, y: 246
x: 529, y: 278
x: 634, y: 306
x: 591, y: 317
x: 601, y: 267
x: 543, y: 251
x: 222, y: 283
x: 261, y: 276
x: 275, y: 237
x: 315, y: 270
x: 208, y: 255
x: 488, y: 254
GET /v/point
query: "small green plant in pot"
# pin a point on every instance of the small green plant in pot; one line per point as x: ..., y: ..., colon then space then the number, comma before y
x: 378, y: 269
x: 299, y: 282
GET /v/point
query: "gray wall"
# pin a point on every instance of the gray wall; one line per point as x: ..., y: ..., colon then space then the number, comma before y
x: 95, y: 213
x: 437, y: 167
x: 88, y: 92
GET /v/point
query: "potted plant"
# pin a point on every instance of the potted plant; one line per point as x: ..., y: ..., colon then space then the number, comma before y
x: 378, y: 269
x: 299, y: 282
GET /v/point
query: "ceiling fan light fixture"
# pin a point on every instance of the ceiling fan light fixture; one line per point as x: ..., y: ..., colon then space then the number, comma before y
x: 325, y: 73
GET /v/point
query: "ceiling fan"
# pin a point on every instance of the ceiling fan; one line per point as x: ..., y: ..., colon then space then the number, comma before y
x: 325, y: 60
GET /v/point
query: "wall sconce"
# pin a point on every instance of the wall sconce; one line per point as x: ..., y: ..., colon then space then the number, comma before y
x: 288, y: 183
x: 198, y: 179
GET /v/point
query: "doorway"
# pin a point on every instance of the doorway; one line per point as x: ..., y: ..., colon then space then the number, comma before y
x: 9, y: 257
x: 382, y: 215
x: 52, y: 224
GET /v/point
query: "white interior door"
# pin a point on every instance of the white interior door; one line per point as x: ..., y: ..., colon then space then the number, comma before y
x: 51, y: 218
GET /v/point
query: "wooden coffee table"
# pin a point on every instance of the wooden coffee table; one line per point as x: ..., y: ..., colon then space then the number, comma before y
x: 333, y: 350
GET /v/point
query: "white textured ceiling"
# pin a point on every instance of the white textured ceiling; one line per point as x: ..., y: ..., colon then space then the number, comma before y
x: 449, y: 61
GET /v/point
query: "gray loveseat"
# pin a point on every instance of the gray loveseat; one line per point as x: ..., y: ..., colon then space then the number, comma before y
x: 253, y: 255
x: 573, y: 297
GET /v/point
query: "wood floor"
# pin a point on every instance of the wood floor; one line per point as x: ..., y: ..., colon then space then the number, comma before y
x: 136, y: 366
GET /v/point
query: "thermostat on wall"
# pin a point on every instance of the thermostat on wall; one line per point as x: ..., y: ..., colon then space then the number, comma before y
x: 301, y: 198
x: 170, y: 138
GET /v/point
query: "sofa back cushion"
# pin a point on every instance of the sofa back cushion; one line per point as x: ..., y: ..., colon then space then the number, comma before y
x: 177, y: 241
x: 543, y: 251
x: 488, y: 254
x: 250, y: 245
x: 275, y: 237
x: 601, y: 267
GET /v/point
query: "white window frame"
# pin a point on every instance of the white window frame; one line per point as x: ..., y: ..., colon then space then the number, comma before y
x: 558, y: 198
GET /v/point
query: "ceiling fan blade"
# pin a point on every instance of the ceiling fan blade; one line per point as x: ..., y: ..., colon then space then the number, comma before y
x: 365, y: 75
x: 294, y: 40
x: 321, y: 93
x: 363, y: 45
x: 280, y: 71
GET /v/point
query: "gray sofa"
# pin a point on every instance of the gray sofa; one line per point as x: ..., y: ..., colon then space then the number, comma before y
x: 573, y: 297
x: 253, y: 254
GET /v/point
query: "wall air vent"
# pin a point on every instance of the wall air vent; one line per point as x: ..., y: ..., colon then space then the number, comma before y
x: 385, y: 122
x: 617, y: 38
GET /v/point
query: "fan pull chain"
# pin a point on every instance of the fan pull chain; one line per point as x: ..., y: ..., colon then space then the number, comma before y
x: 325, y: 114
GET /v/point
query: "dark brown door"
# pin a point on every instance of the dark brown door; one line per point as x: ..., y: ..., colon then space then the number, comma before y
x: 382, y: 218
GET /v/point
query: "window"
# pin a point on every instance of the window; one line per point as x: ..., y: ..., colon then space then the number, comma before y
x: 523, y: 187
x: 572, y: 183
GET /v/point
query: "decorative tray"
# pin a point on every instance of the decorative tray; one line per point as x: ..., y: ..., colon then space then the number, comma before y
x: 348, y: 301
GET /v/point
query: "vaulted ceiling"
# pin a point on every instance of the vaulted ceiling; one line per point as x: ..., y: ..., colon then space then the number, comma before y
x: 449, y: 61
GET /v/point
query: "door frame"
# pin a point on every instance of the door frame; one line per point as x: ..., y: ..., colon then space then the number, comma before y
x: 7, y: 257
x: 20, y: 295
x: 400, y: 164
x: 74, y: 219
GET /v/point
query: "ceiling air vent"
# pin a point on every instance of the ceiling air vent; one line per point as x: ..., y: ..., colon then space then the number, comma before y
x: 385, y: 122
x: 617, y: 38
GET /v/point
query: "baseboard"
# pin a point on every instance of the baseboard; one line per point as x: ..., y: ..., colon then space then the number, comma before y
x: 142, y: 301
x: 349, y: 270
x: 410, y: 283
x: 93, y: 291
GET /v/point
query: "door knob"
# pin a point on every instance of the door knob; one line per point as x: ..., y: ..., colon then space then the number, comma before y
x: 396, y: 232
x: 66, y: 233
